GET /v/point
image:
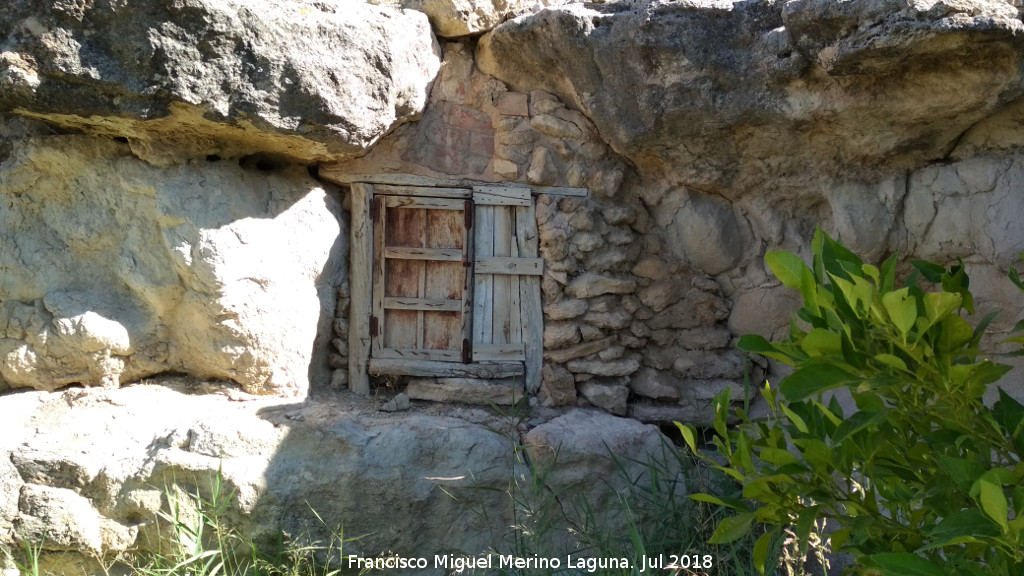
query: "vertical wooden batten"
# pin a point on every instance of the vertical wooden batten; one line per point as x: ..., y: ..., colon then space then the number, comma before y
x: 360, y: 251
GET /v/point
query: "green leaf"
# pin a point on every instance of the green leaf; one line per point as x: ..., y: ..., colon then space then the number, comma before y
x: 905, y: 564
x: 761, y: 549
x: 964, y: 523
x: 889, y: 274
x: 795, y: 419
x: 963, y: 472
x: 814, y: 377
x: 855, y: 423
x: 902, y: 309
x: 689, y: 434
x: 777, y: 456
x: 804, y: 525
x: 821, y: 342
x: 993, y: 501
x: 939, y: 304
x: 732, y: 528
x: 932, y: 272
x: 787, y: 267
x: 892, y: 361
x: 1009, y: 413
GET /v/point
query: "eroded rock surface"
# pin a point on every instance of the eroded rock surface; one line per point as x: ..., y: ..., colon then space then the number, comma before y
x: 115, y: 270
x: 88, y: 470
x: 737, y: 97
x: 311, y: 80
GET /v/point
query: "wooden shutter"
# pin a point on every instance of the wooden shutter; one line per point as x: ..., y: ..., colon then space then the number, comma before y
x: 421, y: 278
x: 507, y: 319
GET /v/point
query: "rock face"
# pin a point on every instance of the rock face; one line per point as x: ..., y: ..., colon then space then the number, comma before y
x: 87, y: 470
x: 802, y: 89
x: 309, y: 80
x: 115, y: 270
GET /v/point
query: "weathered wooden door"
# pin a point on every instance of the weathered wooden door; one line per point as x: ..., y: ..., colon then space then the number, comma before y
x: 422, y: 278
x: 506, y: 311
x: 445, y: 282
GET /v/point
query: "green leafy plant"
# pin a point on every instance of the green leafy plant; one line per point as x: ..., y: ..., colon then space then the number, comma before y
x: 922, y: 478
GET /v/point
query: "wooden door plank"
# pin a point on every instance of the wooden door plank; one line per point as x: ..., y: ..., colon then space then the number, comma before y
x: 483, y: 293
x: 530, y: 300
x: 502, y: 195
x: 515, y: 314
x: 424, y: 203
x: 377, y: 209
x: 502, y: 329
x: 443, y: 330
x: 421, y: 354
x: 392, y: 366
x: 411, y: 253
x: 360, y: 288
x: 467, y: 283
x: 510, y: 265
x: 421, y: 290
x: 500, y: 353
x: 404, y: 228
x: 436, y: 192
x: 430, y: 304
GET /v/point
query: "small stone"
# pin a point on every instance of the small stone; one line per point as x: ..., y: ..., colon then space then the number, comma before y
x: 651, y: 267
x: 697, y: 309
x: 639, y: 329
x: 618, y: 214
x: 508, y: 124
x: 609, y: 397
x: 590, y: 284
x: 571, y: 204
x: 542, y: 102
x: 607, y: 183
x: 554, y: 243
x: 655, y: 384
x: 622, y: 367
x: 604, y: 303
x: 398, y: 403
x: 620, y: 236
x: 614, y: 320
x: 560, y: 334
x: 663, y: 337
x: 339, y: 379
x: 703, y: 339
x: 590, y: 332
x: 632, y: 342
x: 467, y: 391
x: 513, y: 104
x: 516, y: 137
x: 558, y: 388
x: 566, y: 309
x: 662, y: 294
x: 578, y: 351
x: 611, y: 353
x: 581, y: 221
x: 542, y: 168
x: 505, y: 169
x: 555, y: 127
x: 587, y: 241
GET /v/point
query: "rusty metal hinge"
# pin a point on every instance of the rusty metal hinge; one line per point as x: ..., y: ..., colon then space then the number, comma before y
x: 469, y: 214
x: 374, y: 327
x: 467, y: 351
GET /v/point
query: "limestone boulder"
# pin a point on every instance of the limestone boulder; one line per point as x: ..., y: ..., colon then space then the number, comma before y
x: 116, y: 270
x: 803, y: 89
x: 410, y: 482
x: 188, y: 79
x: 453, y: 18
